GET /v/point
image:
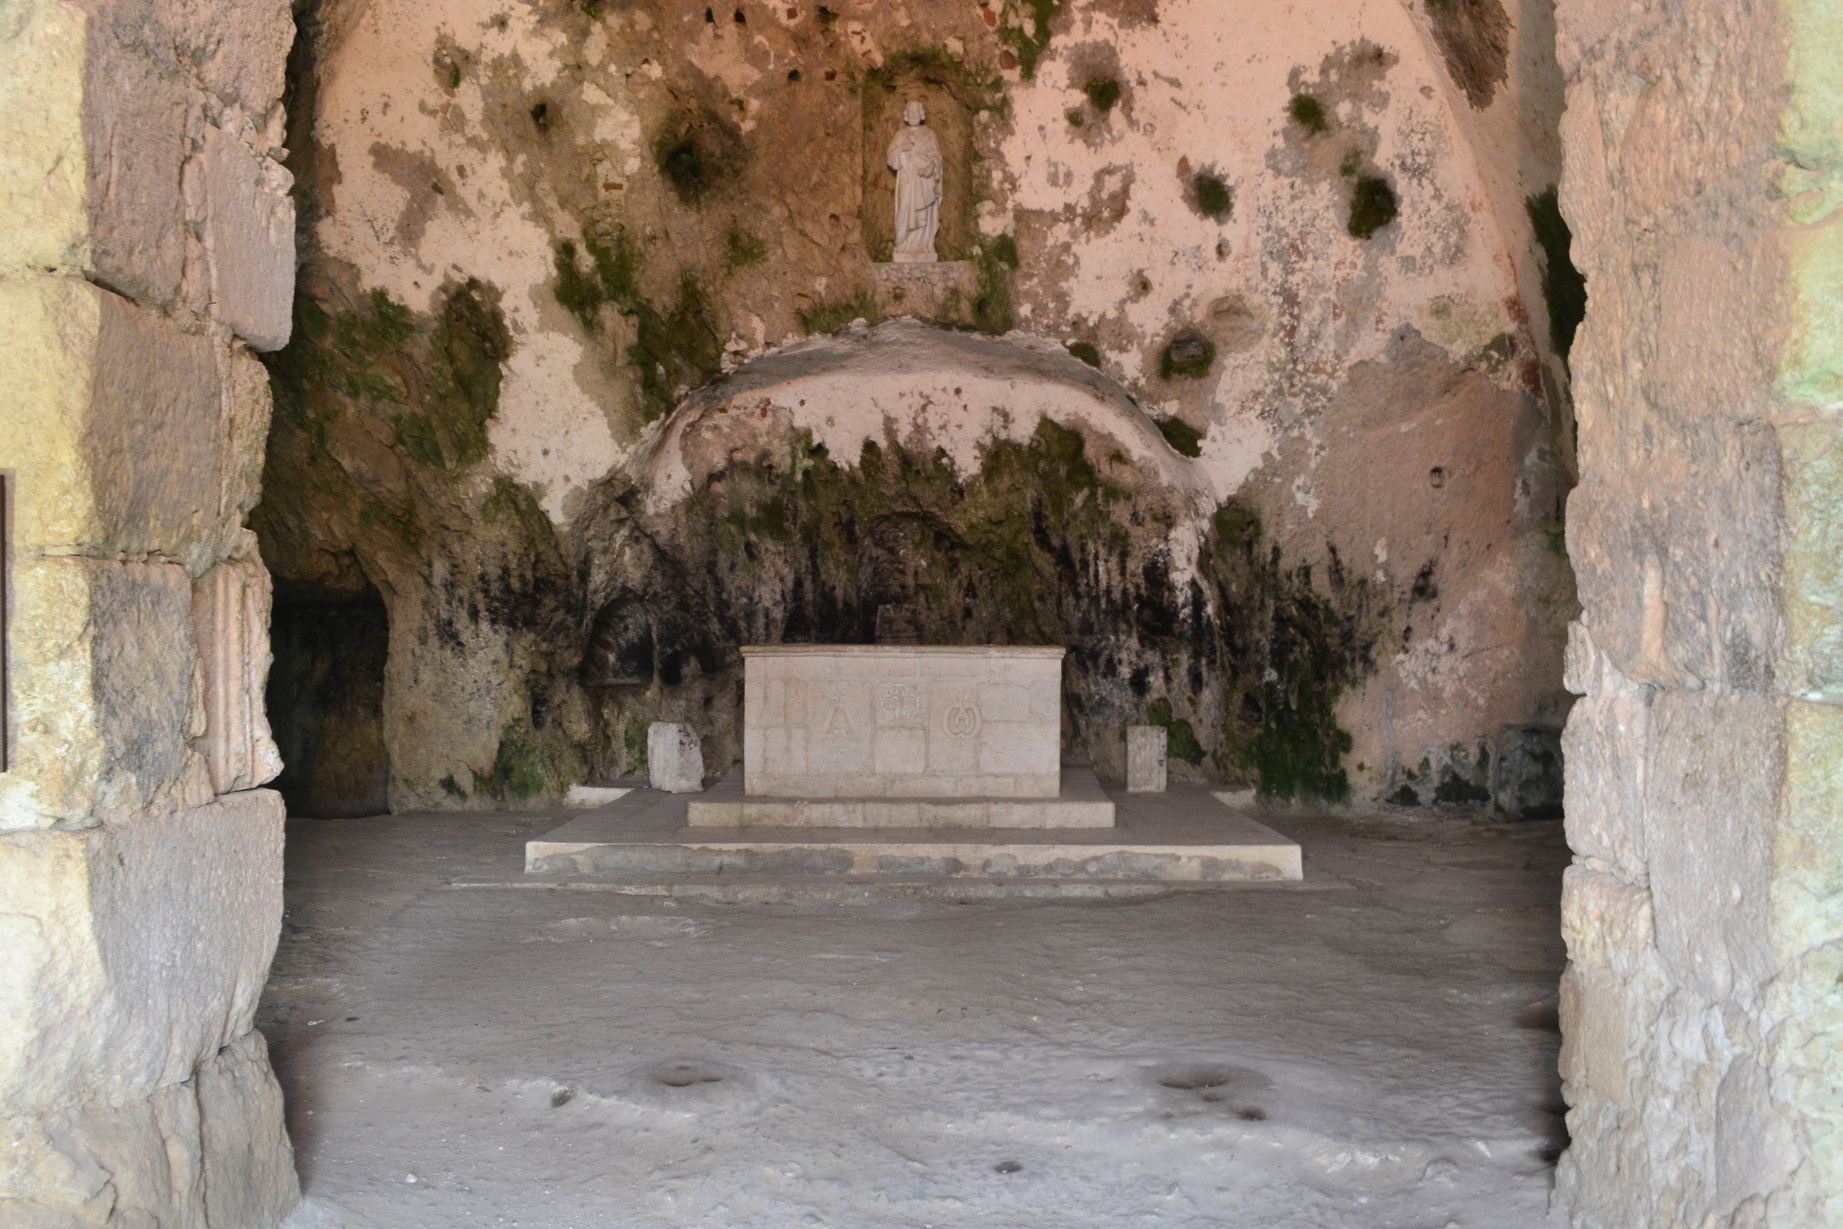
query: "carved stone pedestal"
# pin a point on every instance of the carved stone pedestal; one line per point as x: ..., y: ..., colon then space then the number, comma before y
x: 922, y: 289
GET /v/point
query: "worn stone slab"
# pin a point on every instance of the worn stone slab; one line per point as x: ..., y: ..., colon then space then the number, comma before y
x: 920, y: 290
x: 43, y: 223
x: 135, y: 113
x: 1182, y: 836
x: 104, y: 698
x: 737, y: 889
x: 1082, y: 804
x: 1146, y: 762
x: 249, y: 235
x: 584, y: 797
x: 882, y: 721
x: 98, y: 386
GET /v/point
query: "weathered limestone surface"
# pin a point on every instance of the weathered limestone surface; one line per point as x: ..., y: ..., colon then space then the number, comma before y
x: 674, y: 759
x: 144, y: 230
x: 1701, y: 1011
x: 42, y: 190
x: 155, y: 932
x: 249, y: 239
x: 105, y: 693
x: 146, y: 155
x: 103, y: 387
x: 210, y: 1151
x: 131, y: 955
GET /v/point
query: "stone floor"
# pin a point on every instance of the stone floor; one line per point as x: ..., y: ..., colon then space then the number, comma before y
x: 1374, y: 1046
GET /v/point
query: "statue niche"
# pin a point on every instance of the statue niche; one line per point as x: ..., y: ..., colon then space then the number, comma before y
x: 917, y: 196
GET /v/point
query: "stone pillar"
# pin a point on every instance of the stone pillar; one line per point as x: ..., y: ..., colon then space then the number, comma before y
x: 1702, y: 1008
x: 146, y: 247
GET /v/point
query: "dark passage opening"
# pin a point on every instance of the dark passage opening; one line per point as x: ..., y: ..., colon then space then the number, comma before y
x: 326, y: 702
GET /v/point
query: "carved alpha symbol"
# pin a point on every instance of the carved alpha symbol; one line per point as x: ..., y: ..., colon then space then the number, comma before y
x: 840, y: 725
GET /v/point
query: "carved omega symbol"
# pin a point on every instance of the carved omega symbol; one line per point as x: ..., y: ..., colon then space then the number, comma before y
x: 961, y: 718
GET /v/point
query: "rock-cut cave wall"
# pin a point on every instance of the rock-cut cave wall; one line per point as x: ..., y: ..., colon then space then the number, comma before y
x: 1308, y: 245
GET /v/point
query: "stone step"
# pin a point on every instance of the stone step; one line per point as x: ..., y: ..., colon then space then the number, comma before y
x: 1182, y: 836
x: 738, y: 889
x: 1081, y: 804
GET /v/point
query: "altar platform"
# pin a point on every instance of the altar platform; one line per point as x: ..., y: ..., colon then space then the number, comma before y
x: 1184, y: 836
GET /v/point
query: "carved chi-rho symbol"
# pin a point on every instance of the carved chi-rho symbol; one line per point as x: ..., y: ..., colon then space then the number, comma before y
x: 961, y: 718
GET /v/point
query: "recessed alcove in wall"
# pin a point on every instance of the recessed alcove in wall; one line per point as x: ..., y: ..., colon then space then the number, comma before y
x: 326, y: 701
x: 952, y: 98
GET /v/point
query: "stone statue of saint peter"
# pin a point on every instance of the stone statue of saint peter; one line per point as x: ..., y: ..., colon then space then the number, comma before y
x: 915, y: 156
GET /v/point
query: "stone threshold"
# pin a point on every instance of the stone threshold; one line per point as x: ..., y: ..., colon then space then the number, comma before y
x: 1082, y: 804
x: 1182, y: 836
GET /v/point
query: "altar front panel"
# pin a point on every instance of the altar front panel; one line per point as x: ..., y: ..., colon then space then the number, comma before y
x: 875, y: 721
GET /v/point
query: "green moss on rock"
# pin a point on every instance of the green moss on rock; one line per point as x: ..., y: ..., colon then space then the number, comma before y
x: 1029, y: 38
x: 1180, y: 738
x: 1188, y: 356
x: 994, y: 260
x: 1215, y: 199
x: 1313, y: 645
x: 831, y: 315
x: 1184, y: 439
x: 675, y: 347
x: 744, y: 249
x: 1372, y: 206
x: 523, y: 768
x: 1309, y: 114
x: 1103, y: 93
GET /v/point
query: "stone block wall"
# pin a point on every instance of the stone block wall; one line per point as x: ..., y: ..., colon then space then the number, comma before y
x: 146, y: 249
x: 1701, y: 1010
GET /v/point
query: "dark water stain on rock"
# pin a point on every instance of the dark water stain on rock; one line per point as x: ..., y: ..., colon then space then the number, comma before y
x: 371, y: 484
x: 698, y: 153
x: 1045, y: 544
x: 1564, y: 289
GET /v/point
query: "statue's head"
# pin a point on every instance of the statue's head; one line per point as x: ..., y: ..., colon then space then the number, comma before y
x: 914, y: 114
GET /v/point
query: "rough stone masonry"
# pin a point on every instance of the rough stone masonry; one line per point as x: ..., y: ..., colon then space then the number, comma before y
x: 146, y: 249
x: 1702, y: 1009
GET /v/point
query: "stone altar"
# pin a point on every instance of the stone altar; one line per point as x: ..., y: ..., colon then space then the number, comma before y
x: 848, y: 736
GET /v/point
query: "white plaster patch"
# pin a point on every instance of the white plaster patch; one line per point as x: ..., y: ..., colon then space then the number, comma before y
x: 928, y: 388
x: 378, y: 94
x: 548, y: 432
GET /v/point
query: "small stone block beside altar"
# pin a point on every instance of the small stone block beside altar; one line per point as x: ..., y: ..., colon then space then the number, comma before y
x: 883, y: 721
